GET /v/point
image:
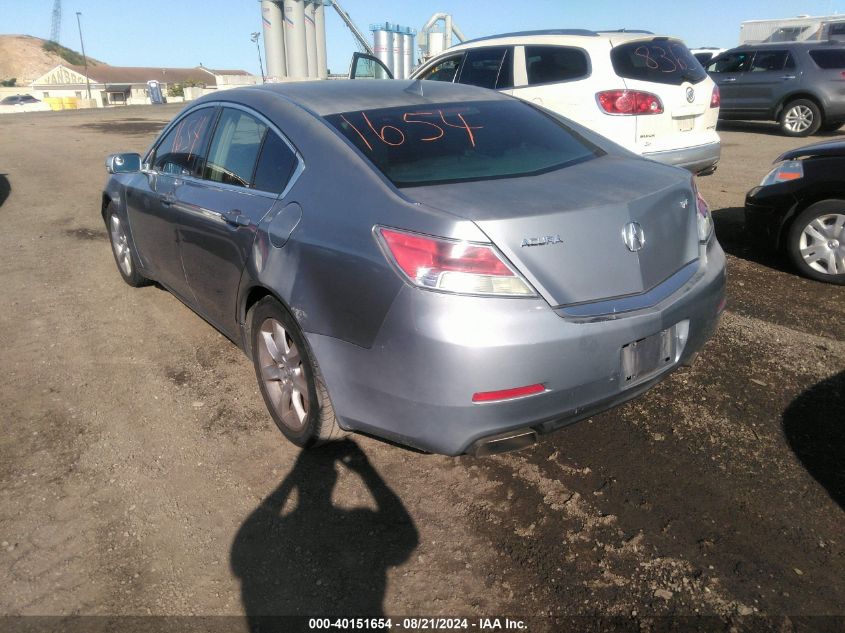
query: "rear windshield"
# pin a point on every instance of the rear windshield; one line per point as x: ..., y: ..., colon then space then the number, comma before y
x: 829, y: 59
x: 660, y: 60
x: 450, y: 142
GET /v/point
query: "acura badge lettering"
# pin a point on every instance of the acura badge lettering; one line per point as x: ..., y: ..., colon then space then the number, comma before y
x: 542, y: 241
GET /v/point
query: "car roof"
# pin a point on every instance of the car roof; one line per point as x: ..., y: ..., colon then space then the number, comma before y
x: 344, y: 95
x: 804, y: 44
x: 617, y: 35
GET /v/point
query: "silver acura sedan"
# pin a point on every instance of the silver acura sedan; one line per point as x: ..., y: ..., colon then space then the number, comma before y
x: 436, y: 264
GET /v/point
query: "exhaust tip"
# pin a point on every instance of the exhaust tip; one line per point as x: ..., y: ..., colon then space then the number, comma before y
x: 503, y: 443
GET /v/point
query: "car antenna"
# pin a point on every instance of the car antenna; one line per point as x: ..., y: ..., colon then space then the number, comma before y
x: 415, y: 88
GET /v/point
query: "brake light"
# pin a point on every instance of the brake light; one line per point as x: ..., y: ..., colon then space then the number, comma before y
x: 452, y: 265
x: 507, y: 394
x: 704, y: 218
x: 629, y: 102
x: 715, y: 98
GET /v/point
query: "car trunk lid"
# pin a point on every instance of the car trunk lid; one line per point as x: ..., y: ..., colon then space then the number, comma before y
x: 588, y: 206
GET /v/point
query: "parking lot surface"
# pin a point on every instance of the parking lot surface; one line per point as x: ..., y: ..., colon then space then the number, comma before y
x: 140, y: 473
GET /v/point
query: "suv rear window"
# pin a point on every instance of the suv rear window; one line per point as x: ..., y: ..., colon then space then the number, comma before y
x: 829, y: 58
x: 547, y: 64
x: 459, y: 142
x: 660, y: 60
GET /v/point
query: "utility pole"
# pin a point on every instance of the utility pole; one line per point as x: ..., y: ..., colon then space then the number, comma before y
x: 84, y: 58
x: 254, y: 37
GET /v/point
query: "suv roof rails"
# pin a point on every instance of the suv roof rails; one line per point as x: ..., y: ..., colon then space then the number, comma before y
x: 626, y: 31
x: 581, y: 32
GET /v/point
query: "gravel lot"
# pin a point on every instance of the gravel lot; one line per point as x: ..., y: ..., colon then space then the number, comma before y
x: 140, y: 474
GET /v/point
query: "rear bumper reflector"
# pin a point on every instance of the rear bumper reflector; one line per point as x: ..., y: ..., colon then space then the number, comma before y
x: 507, y: 394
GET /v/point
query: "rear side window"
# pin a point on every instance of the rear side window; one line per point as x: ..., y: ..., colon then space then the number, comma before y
x: 829, y: 58
x: 275, y: 165
x: 234, y: 148
x: 770, y: 60
x: 547, y: 64
x: 484, y: 67
x: 182, y: 150
x: 660, y: 60
x: 731, y: 63
x: 430, y: 144
x: 445, y: 70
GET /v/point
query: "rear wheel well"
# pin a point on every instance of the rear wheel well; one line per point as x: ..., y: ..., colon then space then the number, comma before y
x: 793, y: 97
x: 255, y: 294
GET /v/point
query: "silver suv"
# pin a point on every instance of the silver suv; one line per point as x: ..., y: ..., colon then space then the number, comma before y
x: 801, y: 85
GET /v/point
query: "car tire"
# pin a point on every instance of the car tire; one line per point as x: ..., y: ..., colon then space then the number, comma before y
x: 830, y: 127
x: 124, y: 257
x: 289, y: 378
x: 800, y: 117
x: 816, y: 241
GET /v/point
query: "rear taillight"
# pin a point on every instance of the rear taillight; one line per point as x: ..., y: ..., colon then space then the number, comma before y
x: 715, y: 98
x: 704, y: 219
x: 452, y: 265
x: 629, y: 102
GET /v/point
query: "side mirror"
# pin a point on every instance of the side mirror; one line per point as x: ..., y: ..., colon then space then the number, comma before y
x: 123, y: 163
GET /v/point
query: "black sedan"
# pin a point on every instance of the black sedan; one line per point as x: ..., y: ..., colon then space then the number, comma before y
x: 799, y: 208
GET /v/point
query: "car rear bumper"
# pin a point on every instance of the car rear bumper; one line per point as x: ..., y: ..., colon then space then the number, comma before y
x: 700, y: 159
x: 415, y: 385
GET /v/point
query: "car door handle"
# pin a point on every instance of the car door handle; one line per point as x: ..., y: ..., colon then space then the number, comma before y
x: 235, y: 218
x: 167, y: 199
x: 788, y: 77
x: 728, y: 79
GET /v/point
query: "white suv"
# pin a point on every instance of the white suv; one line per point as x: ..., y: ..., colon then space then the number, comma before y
x: 645, y: 92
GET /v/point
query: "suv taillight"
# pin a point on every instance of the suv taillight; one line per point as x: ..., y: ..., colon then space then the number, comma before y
x: 715, y: 98
x: 629, y: 102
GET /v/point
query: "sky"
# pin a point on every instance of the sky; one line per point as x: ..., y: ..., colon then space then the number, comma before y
x: 216, y: 33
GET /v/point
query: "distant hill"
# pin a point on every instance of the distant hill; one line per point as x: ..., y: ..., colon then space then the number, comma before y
x: 25, y: 58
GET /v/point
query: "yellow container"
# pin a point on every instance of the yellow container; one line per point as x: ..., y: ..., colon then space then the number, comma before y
x: 55, y: 103
x: 69, y: 103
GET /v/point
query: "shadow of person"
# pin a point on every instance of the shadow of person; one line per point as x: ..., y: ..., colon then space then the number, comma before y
x: 813, y: 427
x: 5, y: 188
x: 304, y: 556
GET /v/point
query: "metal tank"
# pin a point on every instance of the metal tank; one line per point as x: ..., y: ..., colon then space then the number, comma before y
x: 273, y: 23
x: 436, y: 43
x: 398, y: 61
x: 408, y: 61
x: 383, y: 45
x: 295, y: 42
x: 310, y: 40
x: 320, y: 28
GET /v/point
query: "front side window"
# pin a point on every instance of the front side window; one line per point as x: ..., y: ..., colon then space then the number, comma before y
x: 661, y: 60
x: 483, y: 67
x: 182, y: 149
x: 459, y: 142
x: 234, y: 148
x: 548, y: 64
x: 731, y: 63
x: 445, y: 70
x: 769, y: 60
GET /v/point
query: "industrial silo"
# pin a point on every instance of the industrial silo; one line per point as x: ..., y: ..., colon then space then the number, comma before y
x: 383, y: 45
x: 408, y: 61
x: 295, y: 42
x: 310, y: 39
x: 273, y: 22
x: 398, y: 67
x: 320, y: 27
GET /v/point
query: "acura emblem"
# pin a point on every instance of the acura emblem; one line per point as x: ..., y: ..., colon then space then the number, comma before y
x: 690, y: 95
x: 633, y: 236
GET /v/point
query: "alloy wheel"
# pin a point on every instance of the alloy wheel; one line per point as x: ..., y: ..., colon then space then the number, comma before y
x: 120, y: 244
x: 798, y: 119
x: 283, y: 374
x: 822, y: 244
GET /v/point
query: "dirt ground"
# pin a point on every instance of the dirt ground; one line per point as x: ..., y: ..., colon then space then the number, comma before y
x: 140, y: 473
